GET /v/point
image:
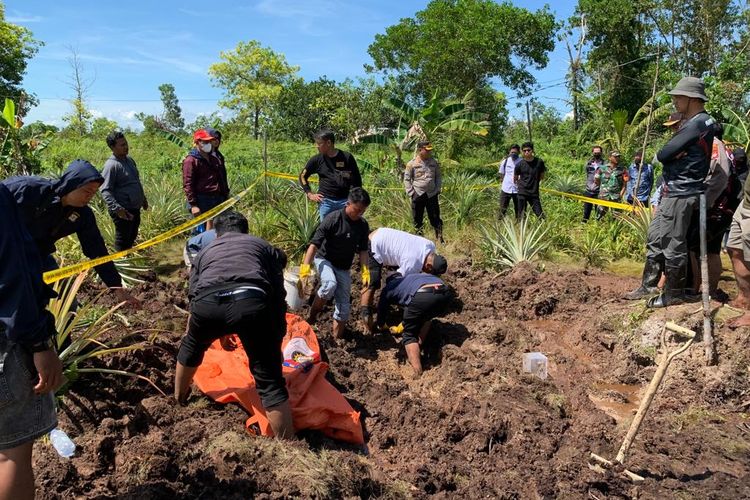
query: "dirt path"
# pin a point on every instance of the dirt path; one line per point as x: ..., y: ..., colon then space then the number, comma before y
x: 471, y: 426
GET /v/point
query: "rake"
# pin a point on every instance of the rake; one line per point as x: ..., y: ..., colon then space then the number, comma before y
x: 618, y: 464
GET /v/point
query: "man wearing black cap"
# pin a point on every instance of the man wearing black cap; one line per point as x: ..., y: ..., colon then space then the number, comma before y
x: 423, y: 182
x: 686, y: 159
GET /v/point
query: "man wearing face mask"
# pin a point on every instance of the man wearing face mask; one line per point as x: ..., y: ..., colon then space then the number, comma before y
x: 509, y: 190
x: 592, y: 188
x: 686, y: 159
x: 52, y: 210
x: 204, y: 177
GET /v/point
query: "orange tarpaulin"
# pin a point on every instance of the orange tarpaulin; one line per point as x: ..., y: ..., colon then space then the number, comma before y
x: 225, y: 377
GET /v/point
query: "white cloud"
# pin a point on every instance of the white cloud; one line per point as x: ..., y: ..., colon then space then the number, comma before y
x: 16, y: 17
x: 95, y: 113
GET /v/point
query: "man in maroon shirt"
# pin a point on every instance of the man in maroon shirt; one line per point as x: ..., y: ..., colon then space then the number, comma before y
x: 204, y: 177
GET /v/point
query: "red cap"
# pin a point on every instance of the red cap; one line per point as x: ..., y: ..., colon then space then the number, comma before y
x: 201, y: 135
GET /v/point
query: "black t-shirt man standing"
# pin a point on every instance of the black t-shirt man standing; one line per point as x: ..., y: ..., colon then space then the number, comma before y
x: 337, y: 172
x: 528, y: 174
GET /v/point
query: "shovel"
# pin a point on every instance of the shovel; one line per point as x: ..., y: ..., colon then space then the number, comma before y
x: 619, y: 462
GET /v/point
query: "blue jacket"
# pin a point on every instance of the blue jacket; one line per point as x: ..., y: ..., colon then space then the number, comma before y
x: 40, y: 204
x: 400, y: 290
x: 647, y: 182
x: 23, y: 294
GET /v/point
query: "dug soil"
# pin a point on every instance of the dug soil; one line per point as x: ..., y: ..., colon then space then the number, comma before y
x: 472, y: 426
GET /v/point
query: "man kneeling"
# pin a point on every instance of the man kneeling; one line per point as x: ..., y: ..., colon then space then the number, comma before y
x: 237, y: 286
x: 423, y: 297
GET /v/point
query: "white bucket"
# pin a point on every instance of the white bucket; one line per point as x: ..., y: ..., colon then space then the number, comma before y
x: 291, y: 285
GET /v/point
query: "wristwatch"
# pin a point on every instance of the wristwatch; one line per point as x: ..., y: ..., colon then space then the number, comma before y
x: 43, y: 345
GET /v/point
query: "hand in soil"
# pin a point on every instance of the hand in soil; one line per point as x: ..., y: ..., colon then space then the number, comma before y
x: 740, y: 321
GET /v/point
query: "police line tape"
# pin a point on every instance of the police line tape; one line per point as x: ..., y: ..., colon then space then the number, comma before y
x: 72, y: 270
x: 577, y: 197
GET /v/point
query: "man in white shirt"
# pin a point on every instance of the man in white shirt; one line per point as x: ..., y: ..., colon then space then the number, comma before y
x: 408, y: 252
x: 509, y: 190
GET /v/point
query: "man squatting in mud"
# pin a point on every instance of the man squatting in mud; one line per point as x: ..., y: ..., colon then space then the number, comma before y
x: 237, y: 286
x: 393, y: 248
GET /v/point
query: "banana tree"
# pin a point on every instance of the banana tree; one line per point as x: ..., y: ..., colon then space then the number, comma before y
x: 439, y: 116
x: 627, y: 137
x: 18, y: 155
x: 737, y: 130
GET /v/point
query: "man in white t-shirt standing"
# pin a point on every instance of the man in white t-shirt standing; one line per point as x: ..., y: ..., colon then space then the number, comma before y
x: 509, y: 190
x: 408, y: 252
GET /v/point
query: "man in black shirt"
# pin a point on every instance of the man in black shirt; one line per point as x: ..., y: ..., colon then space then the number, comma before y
x: 237, y: 286
x: 686, y: 158
x: 341, y: 234
x: 337, y: 172
x: 529, y: 172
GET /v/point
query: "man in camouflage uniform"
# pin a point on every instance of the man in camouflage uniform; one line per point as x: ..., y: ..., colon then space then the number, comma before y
x: 592, y: 188
x: 422, y: 181
x: 612, y: 180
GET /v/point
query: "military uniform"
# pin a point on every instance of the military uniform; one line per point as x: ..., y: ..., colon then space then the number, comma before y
x: 611, y: 181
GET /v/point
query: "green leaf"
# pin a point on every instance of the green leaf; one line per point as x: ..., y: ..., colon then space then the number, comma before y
x: 9, y: 113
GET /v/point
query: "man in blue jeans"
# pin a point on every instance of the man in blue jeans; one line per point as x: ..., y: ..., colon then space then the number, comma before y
x: 30, y: 370
x: 342, y: 234
x: 337, y: 172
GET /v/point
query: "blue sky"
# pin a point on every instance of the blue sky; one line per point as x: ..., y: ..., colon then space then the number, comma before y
x: 129, y: 48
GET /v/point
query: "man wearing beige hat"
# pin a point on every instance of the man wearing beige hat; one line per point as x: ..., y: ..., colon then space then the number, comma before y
x: 686, y: 159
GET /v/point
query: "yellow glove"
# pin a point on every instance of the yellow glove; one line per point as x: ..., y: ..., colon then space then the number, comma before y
x: 396, y: 330
x: 304, y: 271
x: 365, y: 276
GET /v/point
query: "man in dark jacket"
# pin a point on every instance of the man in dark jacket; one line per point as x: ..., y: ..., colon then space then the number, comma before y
x: 337, y: 171
x: 592, y: 188
x: 204, y: 177
x: 686, y: 159
x: 52, y: 210
x: 26, y: 332
x: 122, y: 191
x: 237, y: 286
x: 424, y: 297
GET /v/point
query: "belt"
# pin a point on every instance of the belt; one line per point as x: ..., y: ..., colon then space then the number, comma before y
x: 239, y: 293
x: 434, y: 288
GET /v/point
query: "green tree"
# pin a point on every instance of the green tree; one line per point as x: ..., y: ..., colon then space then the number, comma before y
x: 172, y: 116
x: 17, y: 46
x: 102, y: 126
x: 252, y: 77
x: 461, y: 45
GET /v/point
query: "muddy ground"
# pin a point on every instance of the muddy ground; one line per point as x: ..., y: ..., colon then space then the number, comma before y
x: 472, y: 426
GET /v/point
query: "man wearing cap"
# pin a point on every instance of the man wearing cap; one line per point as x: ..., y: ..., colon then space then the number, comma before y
x: 408, y: 252
x: 643, y: 174
x: 423, y: 182
x: 686, y: 159
x: 337, y: 172
x: 612, y: 179
x: 592, y: 188
x: 423, y: 297
x: 204, y: 177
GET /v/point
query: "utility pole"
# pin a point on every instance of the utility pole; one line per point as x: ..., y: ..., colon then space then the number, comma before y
x: 528, y: 121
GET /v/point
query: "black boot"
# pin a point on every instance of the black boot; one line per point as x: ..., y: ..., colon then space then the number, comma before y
x: 674, y: 290
x: 439, y: 235
x: 651, y: 275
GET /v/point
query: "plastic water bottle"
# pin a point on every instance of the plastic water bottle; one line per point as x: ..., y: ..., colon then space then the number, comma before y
x: 535, y: 363
x: 64, y: 446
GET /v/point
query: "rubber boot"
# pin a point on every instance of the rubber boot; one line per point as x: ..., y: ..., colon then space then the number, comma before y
x: 439, y: 235
x: 674, y: 290
x: 651, y: 275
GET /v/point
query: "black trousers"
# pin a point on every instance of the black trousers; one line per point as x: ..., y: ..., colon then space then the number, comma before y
x: 261, y: 328
x: 424, y: 306
x: 505, y: 199
x: 529, y: 199
x: 126, y: 231
x: 587, y: 207
x: 418, y: 206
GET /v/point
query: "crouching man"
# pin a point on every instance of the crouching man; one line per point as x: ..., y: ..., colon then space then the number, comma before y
x: 237, y: 286
x: 423, y: 297
x: 393, y: 248
x: 341, y: 235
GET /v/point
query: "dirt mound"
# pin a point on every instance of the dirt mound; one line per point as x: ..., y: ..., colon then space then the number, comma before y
x: 473, y: 423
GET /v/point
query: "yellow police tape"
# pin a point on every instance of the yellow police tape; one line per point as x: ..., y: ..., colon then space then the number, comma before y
x: 72, y: 270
